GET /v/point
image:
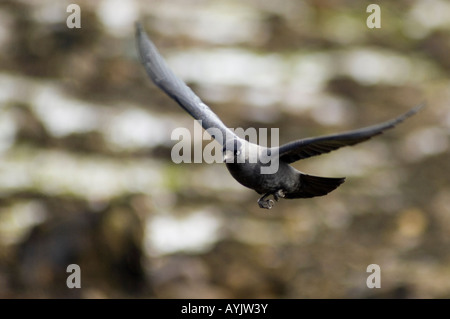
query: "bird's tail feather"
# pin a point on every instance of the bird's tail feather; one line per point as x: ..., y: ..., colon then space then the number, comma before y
x: 311, y: 186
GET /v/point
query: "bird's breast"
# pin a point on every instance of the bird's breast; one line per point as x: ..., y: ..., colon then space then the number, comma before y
x: 250, y: 175
x: 247, y: 174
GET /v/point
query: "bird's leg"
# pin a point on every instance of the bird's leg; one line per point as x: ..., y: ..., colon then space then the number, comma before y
x: 265, y: 203
x: 279, y: 194
x: 268, y: 203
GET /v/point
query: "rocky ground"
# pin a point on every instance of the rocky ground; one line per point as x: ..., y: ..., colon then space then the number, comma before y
x: 86, y: 175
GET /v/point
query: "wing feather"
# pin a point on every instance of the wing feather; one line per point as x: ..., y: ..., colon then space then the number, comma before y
x: 313, y: 146
x: 160, y: 73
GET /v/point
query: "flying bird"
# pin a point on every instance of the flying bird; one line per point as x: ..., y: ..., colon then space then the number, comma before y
x: 246, y: 161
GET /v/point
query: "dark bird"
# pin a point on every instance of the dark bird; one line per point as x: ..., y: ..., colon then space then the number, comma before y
x: 246, y: 161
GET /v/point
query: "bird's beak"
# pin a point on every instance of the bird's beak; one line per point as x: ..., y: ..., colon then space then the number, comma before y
x: 228, y: 157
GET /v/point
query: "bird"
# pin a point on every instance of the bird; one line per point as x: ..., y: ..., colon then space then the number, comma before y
x: 245, y: 160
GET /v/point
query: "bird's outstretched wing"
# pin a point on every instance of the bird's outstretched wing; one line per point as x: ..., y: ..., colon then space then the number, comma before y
x: 313, y: 146
x: 165, y: 79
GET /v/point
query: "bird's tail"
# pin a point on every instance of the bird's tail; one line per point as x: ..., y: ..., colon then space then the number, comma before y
x: 312, y: 186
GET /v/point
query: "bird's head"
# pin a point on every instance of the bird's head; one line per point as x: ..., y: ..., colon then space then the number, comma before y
x: 232, y: 150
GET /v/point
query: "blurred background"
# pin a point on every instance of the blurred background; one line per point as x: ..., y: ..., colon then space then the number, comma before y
x: 85, y: 170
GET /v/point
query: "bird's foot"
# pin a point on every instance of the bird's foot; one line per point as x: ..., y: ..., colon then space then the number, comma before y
x: 279, y: 194
x: 265, y: 203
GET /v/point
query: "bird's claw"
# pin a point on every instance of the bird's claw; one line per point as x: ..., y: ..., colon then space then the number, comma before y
x: 265, y: 203
x: 268, y: 203
x: 279, y: 194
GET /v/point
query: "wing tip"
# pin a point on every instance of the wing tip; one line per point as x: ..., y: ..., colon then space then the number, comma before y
x: 138, y: 28
x: 406, y: 115
x: 141, y: 35
x: 415, y: 109
x: 145, y: 47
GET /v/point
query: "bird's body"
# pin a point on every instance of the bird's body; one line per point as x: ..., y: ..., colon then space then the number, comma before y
x: 286, y: 182
x: 250, y: 164
x: 249, y: 172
